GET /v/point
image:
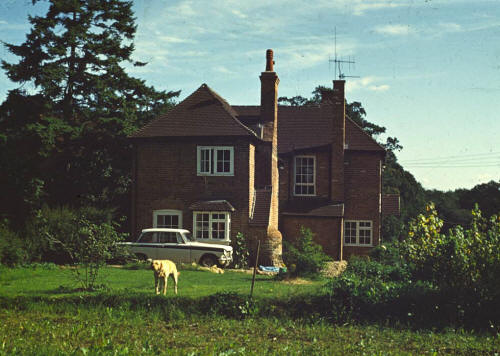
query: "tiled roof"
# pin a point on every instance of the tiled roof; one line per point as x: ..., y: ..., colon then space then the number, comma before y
x: 203, y: 113
x: 212, y: 205
x: 301, y: 127
x: 320, y: 208
x: 262, y: 207
x: 390, y: 204
x: 357, y: 139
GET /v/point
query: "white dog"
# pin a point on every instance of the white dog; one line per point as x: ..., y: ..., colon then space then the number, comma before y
x: 162, y: 269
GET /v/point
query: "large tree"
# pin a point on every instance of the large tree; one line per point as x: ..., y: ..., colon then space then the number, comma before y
x: 74, y: 56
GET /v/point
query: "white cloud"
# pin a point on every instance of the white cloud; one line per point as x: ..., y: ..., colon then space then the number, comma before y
x: 239, y: 14
x: 450, y: 27
x: 172, y: 39
x: 222, y: 69
x: 370, y: 83
x: 394, y: 30
x: 2, y: 22
x: 362, y: 6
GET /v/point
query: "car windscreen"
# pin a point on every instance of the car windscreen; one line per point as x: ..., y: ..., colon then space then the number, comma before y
x: 189, y: 237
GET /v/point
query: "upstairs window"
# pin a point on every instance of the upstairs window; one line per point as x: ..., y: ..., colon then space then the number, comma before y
x: 358, y: 233
x: 305, y: 176
x: 215, y: 161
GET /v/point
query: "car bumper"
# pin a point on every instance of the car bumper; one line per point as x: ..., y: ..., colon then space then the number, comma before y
x: 225, y: 260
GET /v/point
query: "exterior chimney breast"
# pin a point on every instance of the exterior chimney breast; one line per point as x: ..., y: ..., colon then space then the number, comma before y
x: 269, y: 61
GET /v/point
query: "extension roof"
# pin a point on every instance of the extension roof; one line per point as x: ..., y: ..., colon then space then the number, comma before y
x: 203, y: 113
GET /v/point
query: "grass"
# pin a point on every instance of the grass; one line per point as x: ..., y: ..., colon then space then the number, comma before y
x: 41, y: 313
x: 123, y: 333
x: 58, y: 282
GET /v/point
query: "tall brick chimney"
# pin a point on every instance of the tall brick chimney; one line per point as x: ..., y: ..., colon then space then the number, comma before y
x: 272, y: 246
x: 268, y: 98
x: 337, y: 100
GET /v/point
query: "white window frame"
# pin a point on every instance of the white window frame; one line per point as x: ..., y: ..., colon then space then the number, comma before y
x: 211, y: 219
x: 295, y: 184
x: 167, y: 212
x: 213, y: 155
x: 358, y: 229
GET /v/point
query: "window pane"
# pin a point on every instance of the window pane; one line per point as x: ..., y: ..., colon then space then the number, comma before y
x: 202, y: 226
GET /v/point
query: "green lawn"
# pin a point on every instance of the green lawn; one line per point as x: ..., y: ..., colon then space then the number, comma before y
x: 192, y: 283
x: 41, y: 313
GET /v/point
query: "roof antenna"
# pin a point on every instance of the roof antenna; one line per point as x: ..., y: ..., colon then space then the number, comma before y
x: 339, y: 61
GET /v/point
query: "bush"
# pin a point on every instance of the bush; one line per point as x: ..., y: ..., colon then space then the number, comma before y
x: 12, y: 248
x: 305, y: 257
x: 462, y: 261
x: 60, y: 222
x: 51, y: 228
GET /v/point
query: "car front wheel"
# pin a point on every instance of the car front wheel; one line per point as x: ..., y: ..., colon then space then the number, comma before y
x: 208, y: 261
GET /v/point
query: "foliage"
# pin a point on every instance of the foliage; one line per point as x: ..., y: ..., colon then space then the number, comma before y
x: 241, y: 253
x: 84, y: 106
x: 50, y: 222
x: 486, y: 195
x: 12, y: 248
x: 83, y: 238
x: 462, y: 261
x: 304, y: 257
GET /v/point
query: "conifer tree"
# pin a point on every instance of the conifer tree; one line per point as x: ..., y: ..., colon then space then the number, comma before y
x: 74, y: 56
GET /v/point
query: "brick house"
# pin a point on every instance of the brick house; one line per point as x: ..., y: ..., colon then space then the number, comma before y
x: 264, y: 171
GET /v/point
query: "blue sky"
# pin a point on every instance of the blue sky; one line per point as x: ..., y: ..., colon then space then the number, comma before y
x: 429, y: 69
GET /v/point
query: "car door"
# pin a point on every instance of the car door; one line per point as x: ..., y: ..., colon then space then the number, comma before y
x: 173, y: 247
x: 147, y: 245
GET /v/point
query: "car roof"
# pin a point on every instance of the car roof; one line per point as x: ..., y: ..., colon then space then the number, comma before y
x: 164, y: 229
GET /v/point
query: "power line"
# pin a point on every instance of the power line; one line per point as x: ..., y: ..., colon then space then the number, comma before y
x: 474, y: 156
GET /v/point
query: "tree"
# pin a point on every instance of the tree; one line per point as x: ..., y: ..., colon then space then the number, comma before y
x: 87, y: 103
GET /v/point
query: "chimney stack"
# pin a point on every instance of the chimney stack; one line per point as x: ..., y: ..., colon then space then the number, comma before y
x: 268, y: 96
x: 271, y: 247
x: 337, y: 102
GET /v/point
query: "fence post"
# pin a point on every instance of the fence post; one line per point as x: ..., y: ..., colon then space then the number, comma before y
x: 255, y: 268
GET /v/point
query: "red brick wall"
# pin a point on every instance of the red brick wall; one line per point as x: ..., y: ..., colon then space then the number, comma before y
x: 166, y: 178
x: 362, y: 189
x: 326, y: 231
x: 287, y: 178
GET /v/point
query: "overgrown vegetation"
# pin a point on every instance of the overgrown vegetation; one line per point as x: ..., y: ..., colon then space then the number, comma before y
x: 241, y: 253
x: 304, y: 257
x: 429, y: 279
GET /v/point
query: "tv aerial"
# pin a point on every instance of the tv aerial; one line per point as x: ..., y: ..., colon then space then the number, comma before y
x: 339, y: 62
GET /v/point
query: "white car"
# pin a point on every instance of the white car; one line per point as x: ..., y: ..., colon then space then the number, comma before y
x: 179, y: 246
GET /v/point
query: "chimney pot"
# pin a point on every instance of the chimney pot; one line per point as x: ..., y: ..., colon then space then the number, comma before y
x: 269, y: 61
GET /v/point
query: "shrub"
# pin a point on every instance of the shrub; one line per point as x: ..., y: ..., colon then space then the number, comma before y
x: 12, y: 248
x: 60, y: 222
x: 462, y: 261
x: 241, y: 253
x: 305, y: 257
x: 89, y: 249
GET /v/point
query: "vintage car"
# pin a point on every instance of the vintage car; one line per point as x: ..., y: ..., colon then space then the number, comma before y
x: 179, y: 246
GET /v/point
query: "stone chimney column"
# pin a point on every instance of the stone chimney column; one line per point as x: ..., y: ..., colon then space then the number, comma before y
x: 272, y: 246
